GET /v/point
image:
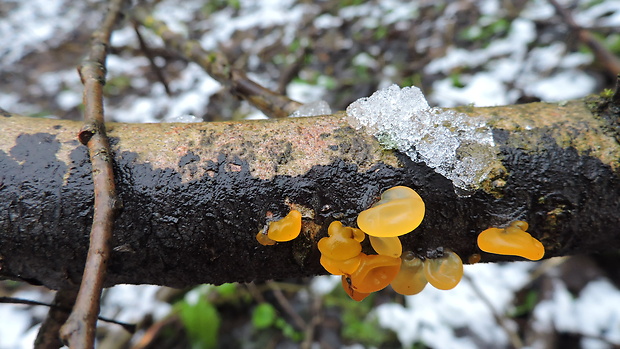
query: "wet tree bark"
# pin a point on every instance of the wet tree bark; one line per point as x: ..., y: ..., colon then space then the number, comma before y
x: 195, y: 195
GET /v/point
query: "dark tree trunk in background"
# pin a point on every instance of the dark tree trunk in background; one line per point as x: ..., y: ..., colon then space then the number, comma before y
x: 195, y: 195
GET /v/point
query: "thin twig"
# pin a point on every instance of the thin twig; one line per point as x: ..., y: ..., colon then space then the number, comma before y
x: 48, y: 336
x: 151, y: 333
x: 316, y: 319
x: 501, y: 321
x: 602, y: 54
x: 215, y: 64
x: 255, y: 292
x: 291, y: 71
x: 149, y: 54
x: 79, y: 330
x: 615, y: 98
x: 63, y: 306
x: 300, y: 323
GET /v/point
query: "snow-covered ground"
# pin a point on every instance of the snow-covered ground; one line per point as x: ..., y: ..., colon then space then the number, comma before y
x: 508, y: 68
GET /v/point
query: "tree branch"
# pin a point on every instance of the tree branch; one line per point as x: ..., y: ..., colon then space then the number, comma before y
x: 79, y: 330
x: 195, y: 195
x: 215, y: 64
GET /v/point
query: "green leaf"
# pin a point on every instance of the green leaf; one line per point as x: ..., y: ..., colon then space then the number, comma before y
x: 530, y: 301
x: 290, y: 332
x: 201, y: 322
x: 226, y: 289
x: 264, y: 316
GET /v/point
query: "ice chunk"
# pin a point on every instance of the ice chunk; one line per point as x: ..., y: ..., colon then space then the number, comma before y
x: 455, y: 145
x: 313, y: 109
x: 185, y: 118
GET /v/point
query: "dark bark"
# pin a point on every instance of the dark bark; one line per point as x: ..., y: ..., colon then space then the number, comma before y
x: 195, y: 195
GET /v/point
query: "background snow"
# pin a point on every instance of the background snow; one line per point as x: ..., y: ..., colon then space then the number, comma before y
x: 500, y: 73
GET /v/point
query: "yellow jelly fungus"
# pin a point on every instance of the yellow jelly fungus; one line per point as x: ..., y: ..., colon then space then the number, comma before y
x: 474, y: 258
x: 388, y: 246
x: 287, y: 228
x: 341, y: 267
x: 410, y: 279
x: 342, y: 243
x: 399, y: 211
x: 262, y: 239
x: 444, y: 273
x: 355, y: 295
x: 513, y: 241
x: 374, y: 273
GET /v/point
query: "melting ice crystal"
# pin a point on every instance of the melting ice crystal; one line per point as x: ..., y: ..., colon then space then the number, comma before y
x: 455, y: 145
x: 313, y: 109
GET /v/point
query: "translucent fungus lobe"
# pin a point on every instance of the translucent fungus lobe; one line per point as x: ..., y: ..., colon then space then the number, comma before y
x: 399, y: 211
x: 263, y: 239
x: 374, y: 273
x: 513, y: 240
x: 340, y: 251
x: 444, y: 273
x: 388, y: 246
x: 341, y: 267
x: 410, y: 279
x: 342, y: 243
x: 287, y: 228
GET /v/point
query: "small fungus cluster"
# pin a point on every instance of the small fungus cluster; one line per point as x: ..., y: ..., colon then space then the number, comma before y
x: 285, y: 229
x: 513, y: 240
x: 399, y: 211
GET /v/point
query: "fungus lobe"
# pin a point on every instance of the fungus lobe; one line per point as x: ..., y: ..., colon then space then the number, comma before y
x: 287, y: 228
x: 410, y: 279
x: 445, y: 272
x: 514, y: 240
x: 399, y: 211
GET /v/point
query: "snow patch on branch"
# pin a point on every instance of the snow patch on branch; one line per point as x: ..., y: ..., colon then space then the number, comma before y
x: 455, y: 145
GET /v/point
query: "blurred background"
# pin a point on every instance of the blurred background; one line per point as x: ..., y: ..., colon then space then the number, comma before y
x: 459, y: 52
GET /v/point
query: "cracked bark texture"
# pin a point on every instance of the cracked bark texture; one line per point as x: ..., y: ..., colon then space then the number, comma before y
x: 195, y: 195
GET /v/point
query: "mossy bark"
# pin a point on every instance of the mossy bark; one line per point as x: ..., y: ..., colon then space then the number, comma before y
x: 195, y: 195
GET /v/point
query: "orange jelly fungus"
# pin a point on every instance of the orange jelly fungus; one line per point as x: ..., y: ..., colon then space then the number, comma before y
x: 513, y: 241
x: 287, y: 228
x: 341, y: 267
x: 444, y: 273
x: 410, y: 279
x: 263, y: 239
x: 388, y: 246
x: 342, y: 243
x: 374, y: 273
x: 355, y: 295
x: 399, y: 211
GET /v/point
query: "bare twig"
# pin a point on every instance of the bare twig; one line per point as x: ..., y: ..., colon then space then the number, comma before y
x: 64, y: 305
x: 515, y: 340
x: 286, y: 305
x: 215, y: 64
x: 290, y: 72
x: 615, y: 98
x: 602, y: 54
x: 149, y: 54
x: 48, y: 336
x: 153, y: 331
x: 79, y: 330
x: 317, y: 304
